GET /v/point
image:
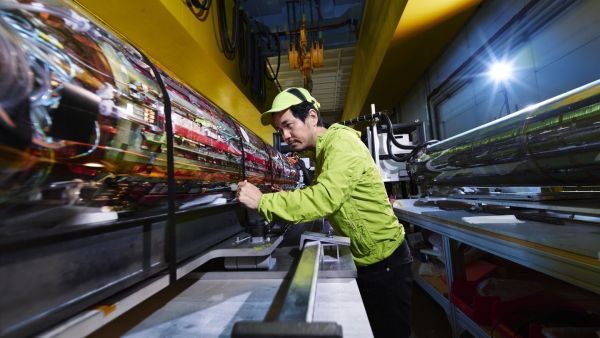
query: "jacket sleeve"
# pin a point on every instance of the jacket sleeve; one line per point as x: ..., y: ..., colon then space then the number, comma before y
x: 343, y: 164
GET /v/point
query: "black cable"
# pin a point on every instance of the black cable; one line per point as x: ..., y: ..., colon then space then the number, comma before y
x: 256, y: 68
x: 276, y: 72
x: 402, y: 158
x: 271, y: 163
x: 361, y: 118
x: 238, y: 130
x: 199, y: 9
x: 305, y: 172
x: 390, y: 133
x: 407, y: 156
x: 254, y: 43
x: 253, y: 64
x: 244, y: 46
x: 275, y: 78
x: 170, y: 242
x: 229, y: 45
x: 242, y: 149
x: 390, y: 137
x: 259, y: 77
x: 203, y: 5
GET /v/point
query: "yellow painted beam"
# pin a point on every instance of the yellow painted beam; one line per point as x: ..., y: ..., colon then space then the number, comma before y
x: 379, y: 22
x: 421, y: 16
x: 398, y: 41
x: 425, y: 30
x: 168, y: 33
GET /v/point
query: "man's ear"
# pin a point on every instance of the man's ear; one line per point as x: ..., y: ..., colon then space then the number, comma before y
x: 314, y: 116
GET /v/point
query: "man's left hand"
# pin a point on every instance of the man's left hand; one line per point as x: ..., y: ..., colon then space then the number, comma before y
x: 248, y: 194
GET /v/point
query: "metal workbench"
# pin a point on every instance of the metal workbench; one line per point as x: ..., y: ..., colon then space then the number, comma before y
x: 213, y: 301
x: 216, y: 300
x: 569, y: 255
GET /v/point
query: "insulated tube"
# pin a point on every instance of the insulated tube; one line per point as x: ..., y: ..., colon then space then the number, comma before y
x: 552, y: 143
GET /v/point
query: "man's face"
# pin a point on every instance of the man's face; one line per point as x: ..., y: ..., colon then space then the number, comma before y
x: 299, y: 135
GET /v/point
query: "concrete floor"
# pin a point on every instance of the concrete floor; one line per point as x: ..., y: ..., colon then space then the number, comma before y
x: 428, y: 319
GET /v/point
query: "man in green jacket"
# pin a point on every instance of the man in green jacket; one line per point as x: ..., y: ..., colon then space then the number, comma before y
x: 349, y: 192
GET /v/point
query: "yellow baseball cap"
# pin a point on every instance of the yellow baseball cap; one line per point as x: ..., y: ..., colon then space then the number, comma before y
x: 285, y: 99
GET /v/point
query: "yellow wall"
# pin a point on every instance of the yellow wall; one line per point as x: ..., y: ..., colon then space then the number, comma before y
x: 168, y: 33
x: 379, y: 22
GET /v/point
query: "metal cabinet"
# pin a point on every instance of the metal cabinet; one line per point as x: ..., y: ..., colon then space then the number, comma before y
x: 569, y: 252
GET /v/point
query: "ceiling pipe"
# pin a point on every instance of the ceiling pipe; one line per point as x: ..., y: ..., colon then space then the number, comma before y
x: 317, y: 28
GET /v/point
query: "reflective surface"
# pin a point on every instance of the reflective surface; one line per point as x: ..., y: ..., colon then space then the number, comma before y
x: 82, y: 128
x: 553, y: 143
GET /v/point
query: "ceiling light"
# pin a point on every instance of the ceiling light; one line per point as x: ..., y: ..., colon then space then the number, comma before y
x: 500, y: 71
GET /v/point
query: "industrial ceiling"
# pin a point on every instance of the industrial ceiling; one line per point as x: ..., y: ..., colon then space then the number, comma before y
x: 424, y: 29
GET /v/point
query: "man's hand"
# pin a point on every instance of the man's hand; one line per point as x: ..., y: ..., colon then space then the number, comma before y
x: 248, y: 194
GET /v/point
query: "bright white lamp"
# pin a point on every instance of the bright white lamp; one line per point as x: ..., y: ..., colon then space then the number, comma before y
x: 500, y: 71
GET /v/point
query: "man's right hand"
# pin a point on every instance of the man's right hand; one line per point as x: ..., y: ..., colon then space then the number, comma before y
x: 249, y: 195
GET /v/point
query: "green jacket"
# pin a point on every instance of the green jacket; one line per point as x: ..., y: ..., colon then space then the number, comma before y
x: 348, y: 190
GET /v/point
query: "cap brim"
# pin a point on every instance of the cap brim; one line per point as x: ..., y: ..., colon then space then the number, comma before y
x: 267, y: 117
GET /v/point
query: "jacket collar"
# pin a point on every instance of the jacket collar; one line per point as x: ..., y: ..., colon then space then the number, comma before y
x: 324, y: 139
